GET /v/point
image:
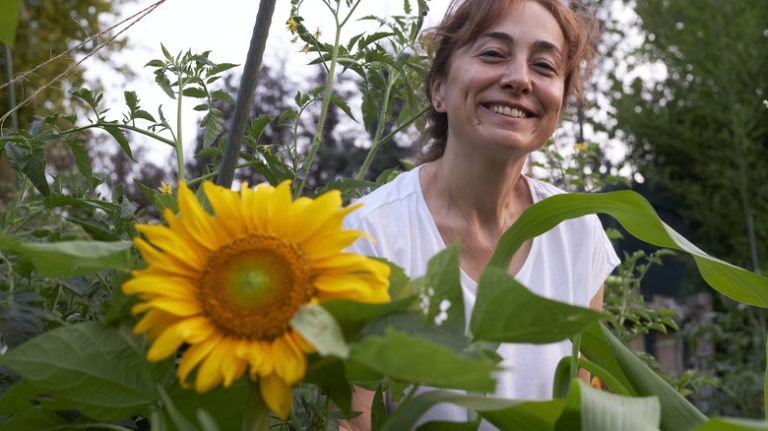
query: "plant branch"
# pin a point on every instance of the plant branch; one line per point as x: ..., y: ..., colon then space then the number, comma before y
x: 122, y: 126
x: 246, y: 92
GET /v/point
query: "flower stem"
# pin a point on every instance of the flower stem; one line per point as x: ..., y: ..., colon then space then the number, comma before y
x: 257, y: 413
x: 304, y: 171
x: 179, y: 143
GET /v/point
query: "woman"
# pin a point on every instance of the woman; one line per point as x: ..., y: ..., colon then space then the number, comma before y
x: 501, y: 73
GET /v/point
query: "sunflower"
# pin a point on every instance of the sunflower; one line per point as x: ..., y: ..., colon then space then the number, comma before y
x: 228, y: 284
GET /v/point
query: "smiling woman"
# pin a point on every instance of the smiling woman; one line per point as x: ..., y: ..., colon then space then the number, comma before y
x: 500, y: 76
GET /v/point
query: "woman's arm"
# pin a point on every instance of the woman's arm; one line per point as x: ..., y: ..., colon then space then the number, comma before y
x: 361, y: 402
x: 596, y: 303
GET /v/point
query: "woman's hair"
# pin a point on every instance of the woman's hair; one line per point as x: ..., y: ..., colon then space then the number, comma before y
x: 465, y: 20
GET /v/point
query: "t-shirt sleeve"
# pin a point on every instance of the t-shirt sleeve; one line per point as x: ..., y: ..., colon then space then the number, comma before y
x: 604, y: 258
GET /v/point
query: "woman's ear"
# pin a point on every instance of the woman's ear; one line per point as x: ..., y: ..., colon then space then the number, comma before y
x: 437, y: 95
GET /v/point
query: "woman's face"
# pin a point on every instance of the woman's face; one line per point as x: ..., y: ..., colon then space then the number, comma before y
x: 504, y: 90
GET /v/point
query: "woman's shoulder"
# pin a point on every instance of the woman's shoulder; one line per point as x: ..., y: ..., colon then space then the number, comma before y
x: 397, y: 195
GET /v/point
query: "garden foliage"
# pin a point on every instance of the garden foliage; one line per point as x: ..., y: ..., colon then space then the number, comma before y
x: 72, y: 361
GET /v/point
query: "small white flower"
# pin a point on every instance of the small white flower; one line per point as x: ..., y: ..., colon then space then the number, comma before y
x: 445, y: 305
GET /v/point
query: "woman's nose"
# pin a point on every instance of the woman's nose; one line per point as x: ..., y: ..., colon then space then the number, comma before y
x: 516, y: 76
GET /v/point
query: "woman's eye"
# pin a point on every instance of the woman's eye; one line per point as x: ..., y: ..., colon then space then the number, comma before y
x: 547, y: 67
x: 491, y: 53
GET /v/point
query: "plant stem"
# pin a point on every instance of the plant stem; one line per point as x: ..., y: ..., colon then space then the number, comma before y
x: 382, y: 119
x: 213, y: 174
x: 121, y: 126
x: 575, y: 351
x: 246, y: 92
x: 257, y: 413
x: 179, y: 143
x: 304, y: 171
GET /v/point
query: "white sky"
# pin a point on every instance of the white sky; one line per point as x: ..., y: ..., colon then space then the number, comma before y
x: 224, y: 28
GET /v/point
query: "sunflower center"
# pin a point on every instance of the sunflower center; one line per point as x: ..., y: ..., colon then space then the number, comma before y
x: 252, y: 287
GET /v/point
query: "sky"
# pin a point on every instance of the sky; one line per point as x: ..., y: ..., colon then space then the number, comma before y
x: 224, y: 29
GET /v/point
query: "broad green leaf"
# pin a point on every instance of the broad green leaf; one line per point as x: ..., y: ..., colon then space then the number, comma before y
x: 98, y: 370
x: 9, y: 18
x: 639, y: 219
x: 329, y: 375
x: 441, y: 294
x: 317, y: 326
x: 69, y: 258
x: 415, y: 359
x: 597, y: 349
x: 733, y: 424
x: 20, y: 397
x: 226, y: 406
x: 506, y: 414
x: 589, y: 409
x: 505, y: 311
x: 677, y: 413
x: 37, y: 419
x: 352, y: 316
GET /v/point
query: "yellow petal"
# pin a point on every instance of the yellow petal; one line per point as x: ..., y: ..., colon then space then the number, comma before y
x: 290, y: 362
x: 177, y: 306
x: 209, y: 374
x: 166, y: 344
x: 159, y: 285
x: 255, y: 207
x: 195, y: 354
x: 356, y: 287
x: 276, y: 394
x: 196, y: 329
x: 226, y: 205
x: 320, y: 247
x: 307, y: 216
x: 280, y: 210
x: 232, y: 367
x: 301, y: 343
x: 198, y: 222
x: 154, y: 322
x: 167, y: 262
x: 172, y: 244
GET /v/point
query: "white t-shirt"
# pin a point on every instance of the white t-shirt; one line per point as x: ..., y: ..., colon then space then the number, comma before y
x: 568, y: 264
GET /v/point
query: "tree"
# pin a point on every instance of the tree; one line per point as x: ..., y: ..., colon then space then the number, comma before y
x: 46, y: 29
x: 696, y: 124
x: 701, y: 129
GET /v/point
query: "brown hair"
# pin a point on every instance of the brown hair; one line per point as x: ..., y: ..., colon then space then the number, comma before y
x: 465, y: 20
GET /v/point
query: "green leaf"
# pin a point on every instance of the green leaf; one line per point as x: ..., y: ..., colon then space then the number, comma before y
x: 131, y: 100
x: 37, y: 419
x: 414, y: 359
x: 352, y: 316
x: 732, y: 424
x: 639, y: 219
x: 9, y: 18
x: 329, y: 375
x: 68, y: 258
x: 441, y: 289
x: 195, y: 92
x: 22, y: 316
x: 225, y: 405
x: 82, y: 158
x: 378, y: 410
x: 159, y: 200
x: 506, y: 414
x: 31, y: 162
x: 121, y: 140
x: 342, y: 104
x: 155, y: 63
x: 676, y: 411
x: 505, y: 311
x: 98, y: 370
x: 318, y: 327
x: 589, y: 409
x: 218, y: 68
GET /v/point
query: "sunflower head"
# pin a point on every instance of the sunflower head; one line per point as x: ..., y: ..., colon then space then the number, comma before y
x: 228, y: 283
